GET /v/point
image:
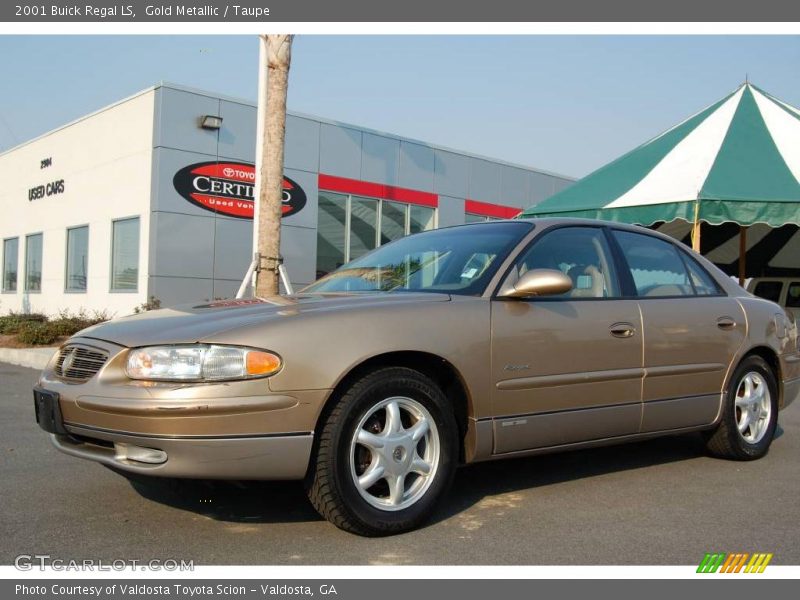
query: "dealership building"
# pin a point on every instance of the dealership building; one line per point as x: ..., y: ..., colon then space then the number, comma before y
x: 153, y: 197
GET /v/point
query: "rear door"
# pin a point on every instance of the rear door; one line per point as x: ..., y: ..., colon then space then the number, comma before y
x: 567, y: 368
x: 692, y: 331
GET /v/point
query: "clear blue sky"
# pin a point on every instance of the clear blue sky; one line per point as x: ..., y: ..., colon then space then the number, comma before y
x: 564, y: 103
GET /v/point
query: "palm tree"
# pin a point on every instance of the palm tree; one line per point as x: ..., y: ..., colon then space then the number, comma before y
x: 275, y: 59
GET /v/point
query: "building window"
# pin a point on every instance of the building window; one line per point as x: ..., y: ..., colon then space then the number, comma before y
x: 77, y: 259
x: 350, y: 226
x: 331, y: 226
x: 420, y: 218
x: 10, y: 262
x: 33, y: 263
x: 363, y: 228
x: 125, y: 255
x: 393, y: 221
x: 473, y: 218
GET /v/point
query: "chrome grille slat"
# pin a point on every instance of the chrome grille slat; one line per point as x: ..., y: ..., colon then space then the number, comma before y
x: 83, y: 362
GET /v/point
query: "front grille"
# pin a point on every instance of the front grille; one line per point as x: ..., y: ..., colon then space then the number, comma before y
x: 79, y: 363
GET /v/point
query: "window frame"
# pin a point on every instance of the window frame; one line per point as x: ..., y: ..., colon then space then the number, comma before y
x: 540, y: 234
x: 3, y: 288
x: 25, y: 288
x: 67, y: 289
x: 111, y: 288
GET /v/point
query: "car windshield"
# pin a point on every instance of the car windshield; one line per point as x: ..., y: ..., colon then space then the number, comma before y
x: 455, y: 260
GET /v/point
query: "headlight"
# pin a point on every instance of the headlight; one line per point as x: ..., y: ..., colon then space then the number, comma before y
x: 200, y: 362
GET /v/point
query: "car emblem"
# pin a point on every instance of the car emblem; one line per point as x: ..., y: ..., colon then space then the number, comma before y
x: 69, y: 359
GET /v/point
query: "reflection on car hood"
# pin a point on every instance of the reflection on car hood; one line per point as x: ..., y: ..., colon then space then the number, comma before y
x: 196, y: 322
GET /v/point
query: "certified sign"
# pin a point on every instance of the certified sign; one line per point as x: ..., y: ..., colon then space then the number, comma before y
x: 229, y: 189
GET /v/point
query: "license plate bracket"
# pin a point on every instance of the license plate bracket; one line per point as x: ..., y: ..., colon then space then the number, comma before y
x: 48, y: 411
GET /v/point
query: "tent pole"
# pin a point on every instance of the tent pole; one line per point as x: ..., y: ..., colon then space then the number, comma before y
x: 742, y: 254
x: 696, y: 228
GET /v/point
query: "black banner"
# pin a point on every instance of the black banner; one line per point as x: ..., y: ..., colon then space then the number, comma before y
x: 383, y: 589
x: 462, y: 11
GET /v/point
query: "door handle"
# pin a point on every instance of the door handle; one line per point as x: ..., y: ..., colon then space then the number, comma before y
x: 622, y: 330
x: 726, y: 323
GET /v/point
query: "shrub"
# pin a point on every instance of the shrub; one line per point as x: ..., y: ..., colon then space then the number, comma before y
x: 65, y: 327
x: 67, y: 324
x: 37, y: 333
x: 152, y: 304
x: 36, y: 328
x: 13, y: 322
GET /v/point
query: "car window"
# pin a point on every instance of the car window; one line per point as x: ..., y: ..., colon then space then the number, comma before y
x: 770, y: 290
x: 580, y: 252
x: 455, y: 260
x: 655, y: 265
x: 704, y: 283
x: 793, y: 295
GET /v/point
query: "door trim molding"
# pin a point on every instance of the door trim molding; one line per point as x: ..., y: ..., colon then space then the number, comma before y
x: 668, y: 370
x: 540, y: 381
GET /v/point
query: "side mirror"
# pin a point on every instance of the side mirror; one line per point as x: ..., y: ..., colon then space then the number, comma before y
x: 539, y: 282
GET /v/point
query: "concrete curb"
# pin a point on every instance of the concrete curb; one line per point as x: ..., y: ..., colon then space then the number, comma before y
x: 33, y: 358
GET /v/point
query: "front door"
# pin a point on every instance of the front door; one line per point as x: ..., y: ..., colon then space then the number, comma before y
x: 567, y: 368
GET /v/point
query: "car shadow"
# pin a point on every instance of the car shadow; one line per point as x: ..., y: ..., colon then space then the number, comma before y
x: 232, y: 501
x: 286, y: 502
x: 482, y: 480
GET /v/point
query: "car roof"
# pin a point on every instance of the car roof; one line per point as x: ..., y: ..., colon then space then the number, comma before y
x: 548, y: 222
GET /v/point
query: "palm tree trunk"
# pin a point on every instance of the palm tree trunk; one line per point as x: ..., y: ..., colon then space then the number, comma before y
x: 270, y: 169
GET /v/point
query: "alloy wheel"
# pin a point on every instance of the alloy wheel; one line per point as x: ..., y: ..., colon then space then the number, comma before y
x: 394, y: 453
x: 753, y: 405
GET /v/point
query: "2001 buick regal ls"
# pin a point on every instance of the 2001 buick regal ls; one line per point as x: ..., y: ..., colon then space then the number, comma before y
x: 471, y: 343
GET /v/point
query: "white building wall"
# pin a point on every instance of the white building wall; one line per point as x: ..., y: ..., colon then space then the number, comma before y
x: 105, y: 160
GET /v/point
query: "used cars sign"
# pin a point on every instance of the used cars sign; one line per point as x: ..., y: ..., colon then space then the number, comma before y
x: 229, y: 188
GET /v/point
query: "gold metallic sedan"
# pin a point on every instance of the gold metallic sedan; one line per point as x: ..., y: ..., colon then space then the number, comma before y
x: 465, y: 344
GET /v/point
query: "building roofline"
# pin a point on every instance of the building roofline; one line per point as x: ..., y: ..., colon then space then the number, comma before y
x: 302, y: 115
x: 81, y: 118
x: 245, y: 102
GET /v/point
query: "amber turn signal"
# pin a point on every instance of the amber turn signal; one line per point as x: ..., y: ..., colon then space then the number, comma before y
x: 262, y: 363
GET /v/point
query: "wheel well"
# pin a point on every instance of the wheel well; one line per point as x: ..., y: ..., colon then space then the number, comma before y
x: 435, y: 367
x: 769, y: 356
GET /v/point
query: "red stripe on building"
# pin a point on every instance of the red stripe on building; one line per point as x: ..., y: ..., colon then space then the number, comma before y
x: 344, y: 185
x: 487, y: 209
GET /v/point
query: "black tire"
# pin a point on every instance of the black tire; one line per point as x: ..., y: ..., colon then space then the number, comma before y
x: 726, y: 441
x: 330, y: 484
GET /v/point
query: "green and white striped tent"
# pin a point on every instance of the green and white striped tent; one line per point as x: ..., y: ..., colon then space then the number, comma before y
x: 734, y: 162
x: 737, y: 160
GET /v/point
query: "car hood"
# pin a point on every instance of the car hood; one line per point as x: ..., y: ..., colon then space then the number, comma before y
x: 187, y: 324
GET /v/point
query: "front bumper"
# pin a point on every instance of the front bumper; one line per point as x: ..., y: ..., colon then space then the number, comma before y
x: 240, y: 458
x: 225, y: 430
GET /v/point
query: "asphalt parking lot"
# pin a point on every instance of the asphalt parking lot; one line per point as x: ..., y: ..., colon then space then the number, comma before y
x: 656, y: 502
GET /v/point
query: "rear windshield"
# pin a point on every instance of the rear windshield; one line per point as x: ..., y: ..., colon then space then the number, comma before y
x: 793, y: 295
x: 771, y: 290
